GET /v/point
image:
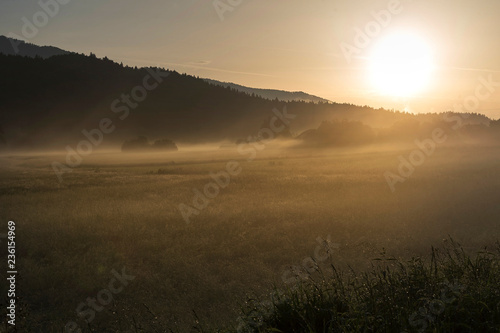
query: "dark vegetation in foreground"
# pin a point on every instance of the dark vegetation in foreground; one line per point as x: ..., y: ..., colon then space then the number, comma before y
x: 451, y: 292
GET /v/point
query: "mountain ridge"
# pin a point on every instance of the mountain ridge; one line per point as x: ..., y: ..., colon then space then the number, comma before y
x: 282, y: 95
x: 12, y: 46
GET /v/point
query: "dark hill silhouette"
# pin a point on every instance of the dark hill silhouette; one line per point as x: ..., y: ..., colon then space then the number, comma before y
x: 11, y: 46
x: 48, y: 102
x: 286, y: 96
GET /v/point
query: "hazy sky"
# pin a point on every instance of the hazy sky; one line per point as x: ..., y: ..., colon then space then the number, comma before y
x: 283, y: 44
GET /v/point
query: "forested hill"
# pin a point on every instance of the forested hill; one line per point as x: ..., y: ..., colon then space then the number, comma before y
x: 12, y: 46
x: 272, y: 93
x: 46, y: 102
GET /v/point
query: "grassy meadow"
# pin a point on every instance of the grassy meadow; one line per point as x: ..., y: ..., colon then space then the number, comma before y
x: 119, y: 211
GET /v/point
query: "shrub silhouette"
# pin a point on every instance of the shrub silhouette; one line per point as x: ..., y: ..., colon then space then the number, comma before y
x: 339, y: 133
x: 164, y: 144
x: 141, y: 143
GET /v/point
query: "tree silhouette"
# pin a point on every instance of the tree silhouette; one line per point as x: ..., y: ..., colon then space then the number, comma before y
x: 2, y: 135
x: 141, y: 143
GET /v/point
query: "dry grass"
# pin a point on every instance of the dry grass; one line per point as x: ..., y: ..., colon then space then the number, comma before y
x: 117, y: 211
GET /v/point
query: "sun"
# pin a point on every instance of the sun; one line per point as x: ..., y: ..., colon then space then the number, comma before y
x: 401, y: 65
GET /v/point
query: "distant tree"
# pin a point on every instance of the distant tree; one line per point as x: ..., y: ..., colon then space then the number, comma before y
x: 2, y: 135
x: 241, y: 141
x: 495, y: 124
x: 164, y: 144
x: 141, y: 143
x: 339, y: 133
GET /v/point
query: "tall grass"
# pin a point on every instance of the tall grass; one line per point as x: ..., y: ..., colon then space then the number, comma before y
x: 452, y: 291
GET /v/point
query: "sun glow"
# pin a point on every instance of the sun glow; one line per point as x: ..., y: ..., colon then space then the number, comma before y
x: 401, y: 65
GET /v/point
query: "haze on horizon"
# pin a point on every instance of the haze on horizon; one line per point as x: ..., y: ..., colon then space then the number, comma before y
x: 294, y: 45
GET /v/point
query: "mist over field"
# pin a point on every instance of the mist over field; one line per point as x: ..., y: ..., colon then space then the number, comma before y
x: 258, y: 228
x: 249, y: 167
